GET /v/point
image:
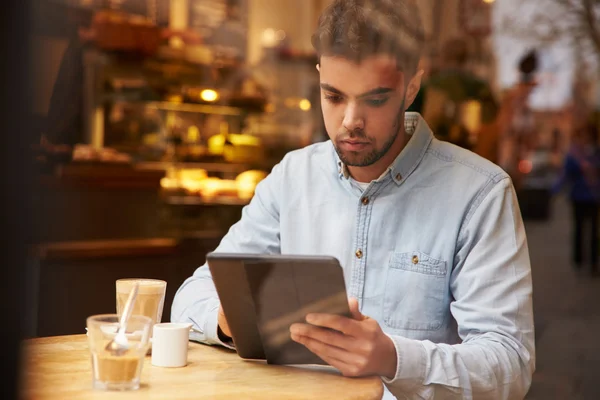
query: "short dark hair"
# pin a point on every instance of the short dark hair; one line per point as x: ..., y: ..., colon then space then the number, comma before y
x: 356, y: 29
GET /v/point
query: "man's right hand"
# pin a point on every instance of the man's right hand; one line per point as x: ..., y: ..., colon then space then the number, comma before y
x: 223, y: 325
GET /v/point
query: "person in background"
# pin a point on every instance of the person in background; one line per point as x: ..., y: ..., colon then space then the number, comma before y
x: 581, y: 171
x: 516, y: 120
x: 231, y: 34
x: 64, y: 122
x: 429, y: 235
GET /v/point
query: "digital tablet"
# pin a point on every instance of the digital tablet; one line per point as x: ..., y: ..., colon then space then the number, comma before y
x: 262, y: 295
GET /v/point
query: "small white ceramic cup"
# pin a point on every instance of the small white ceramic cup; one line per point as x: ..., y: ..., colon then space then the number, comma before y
x: 170, y: 344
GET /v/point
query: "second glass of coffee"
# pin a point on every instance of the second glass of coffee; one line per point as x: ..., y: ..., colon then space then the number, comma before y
x: 149, y: 301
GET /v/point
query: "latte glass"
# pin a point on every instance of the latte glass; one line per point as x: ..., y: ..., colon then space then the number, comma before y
x: 149, y: 301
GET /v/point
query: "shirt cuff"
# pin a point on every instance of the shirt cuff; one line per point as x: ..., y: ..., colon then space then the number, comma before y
x: 209, y: 333
x: 410, y: 363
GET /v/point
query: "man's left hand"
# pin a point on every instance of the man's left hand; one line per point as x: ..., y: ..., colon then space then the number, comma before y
x: 355, y: 346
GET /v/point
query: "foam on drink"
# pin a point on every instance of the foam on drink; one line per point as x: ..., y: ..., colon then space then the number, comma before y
x: 149, y: 301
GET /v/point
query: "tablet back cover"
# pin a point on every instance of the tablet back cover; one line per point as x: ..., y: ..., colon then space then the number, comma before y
x: 284, y: 292
x: 231, y: 283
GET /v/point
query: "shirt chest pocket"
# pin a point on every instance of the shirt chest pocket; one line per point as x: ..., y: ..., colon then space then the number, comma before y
x: 415, y: 292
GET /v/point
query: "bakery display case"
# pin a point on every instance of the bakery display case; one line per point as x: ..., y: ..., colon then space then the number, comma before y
x: 160, y: 132
x: 197, y: 114
x: 179, y: 99
x: 190, y: 121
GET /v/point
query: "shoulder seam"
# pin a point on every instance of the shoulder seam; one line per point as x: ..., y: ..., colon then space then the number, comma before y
x: 481, y: 196
x: 495, y: 177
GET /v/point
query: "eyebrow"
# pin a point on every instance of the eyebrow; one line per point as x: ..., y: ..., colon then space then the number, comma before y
x: 376, y: 91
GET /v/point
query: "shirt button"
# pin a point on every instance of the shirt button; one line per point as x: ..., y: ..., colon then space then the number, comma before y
x: 398, y: 177
x: 415, y: 260
x: 365, y: 201
x: 359, y: 253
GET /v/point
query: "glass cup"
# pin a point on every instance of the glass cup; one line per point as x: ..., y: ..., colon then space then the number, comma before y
x: 117, y: 372
x: 150, y: 299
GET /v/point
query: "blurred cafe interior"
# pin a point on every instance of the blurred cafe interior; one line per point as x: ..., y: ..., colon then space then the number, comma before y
x: 155, y: 120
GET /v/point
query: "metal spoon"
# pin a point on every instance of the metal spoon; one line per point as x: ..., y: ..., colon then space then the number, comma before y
x: 119, y: 344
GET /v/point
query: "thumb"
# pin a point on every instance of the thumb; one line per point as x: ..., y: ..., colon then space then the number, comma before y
x: 353, y: 304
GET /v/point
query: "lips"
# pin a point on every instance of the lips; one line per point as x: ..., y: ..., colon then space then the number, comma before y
x: 353, y: 145
x: 353, y: 142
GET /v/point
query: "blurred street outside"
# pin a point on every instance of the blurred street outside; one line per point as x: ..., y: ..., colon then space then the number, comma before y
x: 567, y: 313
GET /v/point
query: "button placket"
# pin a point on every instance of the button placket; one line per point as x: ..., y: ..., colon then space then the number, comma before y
x: 360, y: 243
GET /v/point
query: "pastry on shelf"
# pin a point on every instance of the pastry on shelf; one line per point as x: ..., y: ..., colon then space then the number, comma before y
x: 215, y: 187
x: 196, y: 174
x: 87, y: 153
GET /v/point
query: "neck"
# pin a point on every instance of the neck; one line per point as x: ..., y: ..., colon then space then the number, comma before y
x: 374, y: 171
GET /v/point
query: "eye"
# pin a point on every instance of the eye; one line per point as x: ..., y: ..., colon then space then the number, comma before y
x: 334, y: 98
x: 377, y: 102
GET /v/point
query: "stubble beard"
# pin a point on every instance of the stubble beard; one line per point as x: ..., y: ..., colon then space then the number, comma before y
x: 356, y: 159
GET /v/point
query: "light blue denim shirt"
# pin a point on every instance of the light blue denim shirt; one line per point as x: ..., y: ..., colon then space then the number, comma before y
x: 434, y: 250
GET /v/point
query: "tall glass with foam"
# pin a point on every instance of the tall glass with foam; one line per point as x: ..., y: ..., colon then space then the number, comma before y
x: 149, y: 301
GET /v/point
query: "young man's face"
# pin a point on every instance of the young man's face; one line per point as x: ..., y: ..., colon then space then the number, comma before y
x: 363, y: 108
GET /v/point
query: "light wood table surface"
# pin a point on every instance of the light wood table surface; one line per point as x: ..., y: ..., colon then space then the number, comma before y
x: 60, y: 368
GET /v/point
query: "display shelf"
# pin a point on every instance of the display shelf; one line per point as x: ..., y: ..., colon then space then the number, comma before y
x: 190, y: 200
x: 196, y: 108
x: 223, y: 167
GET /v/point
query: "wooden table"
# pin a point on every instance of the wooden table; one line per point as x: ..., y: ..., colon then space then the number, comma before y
x: 60, y: 368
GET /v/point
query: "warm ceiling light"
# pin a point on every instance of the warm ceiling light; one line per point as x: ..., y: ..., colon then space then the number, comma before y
x: 304, y: 105
x: 269, y: 38
x: 209, y: 95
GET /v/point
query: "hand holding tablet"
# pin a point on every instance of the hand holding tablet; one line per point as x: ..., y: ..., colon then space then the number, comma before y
x: 263, y: 295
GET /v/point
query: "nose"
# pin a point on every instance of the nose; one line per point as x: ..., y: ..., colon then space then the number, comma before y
x: 353, y: 118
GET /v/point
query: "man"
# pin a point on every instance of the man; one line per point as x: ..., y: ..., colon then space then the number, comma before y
x: 429, y: 235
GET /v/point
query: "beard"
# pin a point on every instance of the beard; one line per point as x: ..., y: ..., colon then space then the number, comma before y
x: 369, y: 156
x: 359, y: 158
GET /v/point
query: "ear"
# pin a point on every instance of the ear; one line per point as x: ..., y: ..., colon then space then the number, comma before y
x: 413, y: 88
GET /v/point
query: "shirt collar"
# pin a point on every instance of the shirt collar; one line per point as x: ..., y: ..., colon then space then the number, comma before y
x: 420, y: 137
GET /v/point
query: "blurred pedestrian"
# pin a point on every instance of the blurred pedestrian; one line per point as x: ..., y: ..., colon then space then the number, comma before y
x: 581, y: 171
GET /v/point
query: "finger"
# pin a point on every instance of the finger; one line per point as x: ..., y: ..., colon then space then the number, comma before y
x: 344, y: 362
x: 337, y: 364
x: 334, y: 362
x: 353, y: 304
x: 324, y: 335
x: 345, y: 325
x: 323, y: 350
